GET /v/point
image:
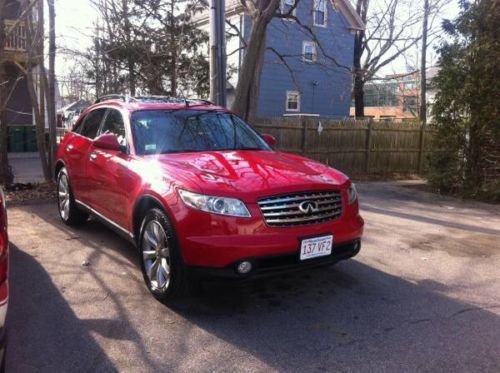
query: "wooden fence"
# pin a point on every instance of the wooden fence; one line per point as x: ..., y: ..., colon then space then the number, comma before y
x: 354, y: 146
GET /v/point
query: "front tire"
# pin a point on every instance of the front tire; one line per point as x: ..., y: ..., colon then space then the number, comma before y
x: 161, y: 262
x: 68, y: 209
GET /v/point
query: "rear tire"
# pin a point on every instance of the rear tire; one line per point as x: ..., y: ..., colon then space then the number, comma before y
x: 69, y: 211
x: 161, y: 262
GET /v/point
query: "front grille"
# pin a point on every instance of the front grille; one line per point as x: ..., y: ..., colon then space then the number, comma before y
x: 301, y: 208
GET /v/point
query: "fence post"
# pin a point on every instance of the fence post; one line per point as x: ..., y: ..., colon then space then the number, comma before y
x: 421, y: 152
x: 368, y: 145
x: 303, y: 122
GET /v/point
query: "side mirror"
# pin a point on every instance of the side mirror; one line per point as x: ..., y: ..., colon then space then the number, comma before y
x: 108, y: 141
x: 270, y: 139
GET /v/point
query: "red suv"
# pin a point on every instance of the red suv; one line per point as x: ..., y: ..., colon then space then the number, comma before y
x: 197, y: 190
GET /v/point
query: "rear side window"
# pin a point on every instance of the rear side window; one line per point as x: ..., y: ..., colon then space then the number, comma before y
x: 114, y: 124
x: 91, y: 124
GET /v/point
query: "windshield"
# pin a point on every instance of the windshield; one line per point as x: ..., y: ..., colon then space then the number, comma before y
x: 180, y: 131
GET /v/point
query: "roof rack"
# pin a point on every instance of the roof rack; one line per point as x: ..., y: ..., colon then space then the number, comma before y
x: 159, y: 99
x: 153, y: 99
x: 113, y: 96
x: 200, y: 100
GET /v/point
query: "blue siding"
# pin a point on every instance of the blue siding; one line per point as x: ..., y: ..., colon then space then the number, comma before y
x: 331, y: 97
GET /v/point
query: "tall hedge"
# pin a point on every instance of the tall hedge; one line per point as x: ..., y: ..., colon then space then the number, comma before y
x: 466, y: 157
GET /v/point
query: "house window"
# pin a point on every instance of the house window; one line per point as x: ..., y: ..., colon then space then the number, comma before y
x: 292, y: 101
x: 309, y: 52
x: 287, y: 5
x: 410, y: 104
x: 319, y: 12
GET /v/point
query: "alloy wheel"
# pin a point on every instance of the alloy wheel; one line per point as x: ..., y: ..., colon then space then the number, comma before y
x: 64, y: 196
x: 156, y: 256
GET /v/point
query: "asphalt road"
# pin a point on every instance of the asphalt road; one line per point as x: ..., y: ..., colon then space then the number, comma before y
x: 423, y: 295
x: 26, y: 167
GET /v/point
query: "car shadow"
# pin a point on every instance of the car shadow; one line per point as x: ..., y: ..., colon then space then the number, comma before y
x: 93, y: 235
x: 44, y: 334
x: 350, y: 317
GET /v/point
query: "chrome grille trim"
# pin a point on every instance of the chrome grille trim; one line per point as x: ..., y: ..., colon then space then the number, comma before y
x: 284, y: 211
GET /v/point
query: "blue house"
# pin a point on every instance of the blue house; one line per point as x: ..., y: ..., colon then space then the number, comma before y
x: 308, y: 64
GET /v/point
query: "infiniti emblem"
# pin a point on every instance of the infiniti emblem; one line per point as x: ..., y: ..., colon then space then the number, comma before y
x: 308, y: 207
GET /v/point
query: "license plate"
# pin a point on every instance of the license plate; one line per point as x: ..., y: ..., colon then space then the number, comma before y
x: 316, y: 247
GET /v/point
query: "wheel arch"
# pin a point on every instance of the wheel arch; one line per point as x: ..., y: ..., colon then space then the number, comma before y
x: 143, y: 204
x: 59, y: 165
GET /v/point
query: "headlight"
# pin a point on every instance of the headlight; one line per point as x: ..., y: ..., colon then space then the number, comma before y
x: 215, y: 205
x: 352, y: 193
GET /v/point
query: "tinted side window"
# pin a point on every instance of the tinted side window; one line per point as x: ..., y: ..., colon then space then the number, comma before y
x: 77, y: 128
x: 91, y: 123
x: 114, y: 124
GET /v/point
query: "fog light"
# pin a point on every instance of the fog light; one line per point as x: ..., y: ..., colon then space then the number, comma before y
x: 244, y: 267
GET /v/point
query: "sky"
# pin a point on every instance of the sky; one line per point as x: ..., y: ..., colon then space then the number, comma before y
x: 74, y: 24
x: 75, y: 20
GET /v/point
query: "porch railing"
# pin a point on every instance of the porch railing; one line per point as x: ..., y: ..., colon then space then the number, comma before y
x: 16, y: 38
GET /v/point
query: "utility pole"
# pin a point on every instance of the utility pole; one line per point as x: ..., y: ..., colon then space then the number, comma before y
x: 218, y: 52
x: 423, y: 64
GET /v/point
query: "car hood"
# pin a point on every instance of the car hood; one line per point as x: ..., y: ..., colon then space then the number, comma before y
x: 250, y: 174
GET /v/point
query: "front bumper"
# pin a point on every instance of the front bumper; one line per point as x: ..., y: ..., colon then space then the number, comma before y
x: 278, y: 264
x: 208, y: 240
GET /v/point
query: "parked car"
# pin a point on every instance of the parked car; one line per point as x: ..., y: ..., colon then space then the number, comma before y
x: 198, y: 190
x: 4, y: 272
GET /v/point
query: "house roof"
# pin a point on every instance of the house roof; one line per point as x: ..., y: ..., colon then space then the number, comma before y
x: 234, y: 7
x: 345, y: 6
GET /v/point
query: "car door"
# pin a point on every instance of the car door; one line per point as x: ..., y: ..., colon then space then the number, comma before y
x: 108, y: 173
x: 77, y: 152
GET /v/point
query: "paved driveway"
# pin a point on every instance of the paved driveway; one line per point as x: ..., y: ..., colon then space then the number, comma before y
x: 423, y: 295
x: 26, y: 167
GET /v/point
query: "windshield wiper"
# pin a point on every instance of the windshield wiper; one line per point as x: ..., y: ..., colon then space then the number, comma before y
x: 248, y: 148
x: 182, y: 151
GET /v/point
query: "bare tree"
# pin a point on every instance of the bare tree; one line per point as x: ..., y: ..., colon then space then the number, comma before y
x: 51, y: 93
x: 34, y: 57
x: 5, y: 171
x: 423, y: 64
x: 247, y: 90
x: 430, y: 32
x: 389, y: 34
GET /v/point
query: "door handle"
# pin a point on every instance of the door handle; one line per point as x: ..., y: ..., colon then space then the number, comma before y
x: 93, y: 156
x: 69, y: 147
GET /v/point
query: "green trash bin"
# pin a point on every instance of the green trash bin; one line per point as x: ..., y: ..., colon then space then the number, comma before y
x: 30, y: 136
x: 16, y: 139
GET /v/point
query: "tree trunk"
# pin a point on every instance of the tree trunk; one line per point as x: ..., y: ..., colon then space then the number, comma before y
x: 39, y: 121
x: 247, y: 90
x: 6, y: 176
x: 173, y: 51
x: 130, y: 57
x: 359, y: 77
x: 359, y: 96
x: 423, y: 65
x: 51, y: 94
x: 98, y: 81
x: 34, y: 40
